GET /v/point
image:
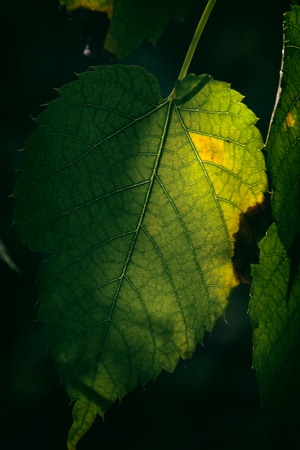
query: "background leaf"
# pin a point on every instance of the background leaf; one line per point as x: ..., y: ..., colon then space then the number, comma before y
x: 275, y: 291
x: 105, y: 6
x: 138, y: 197
x: 276, y: 337
x: 283, y: 146
x: 133, y: 21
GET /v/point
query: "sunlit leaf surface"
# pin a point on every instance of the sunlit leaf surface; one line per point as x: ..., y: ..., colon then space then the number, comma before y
x: 137, y: 198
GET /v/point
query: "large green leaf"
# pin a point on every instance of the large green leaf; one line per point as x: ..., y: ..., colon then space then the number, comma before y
x: 275, y: 291
x: 133, y: 21
x: 276, y: 337
x: 283, y: 146
x: 138, y: 198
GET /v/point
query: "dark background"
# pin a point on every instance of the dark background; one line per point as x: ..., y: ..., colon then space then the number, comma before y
x: 212, y: 401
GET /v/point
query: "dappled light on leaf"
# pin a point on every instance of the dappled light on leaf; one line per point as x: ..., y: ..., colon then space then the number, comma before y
x: 118, y: 184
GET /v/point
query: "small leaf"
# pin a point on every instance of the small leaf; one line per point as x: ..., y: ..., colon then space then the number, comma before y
x: 133, y: 21
x: 138, y: 197
x: 283, y: 146
x: 276, y: 336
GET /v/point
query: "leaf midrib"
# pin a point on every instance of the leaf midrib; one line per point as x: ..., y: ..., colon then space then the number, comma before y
x: 139, y: 224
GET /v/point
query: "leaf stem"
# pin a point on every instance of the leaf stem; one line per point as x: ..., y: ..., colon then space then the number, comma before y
x: 191, y: 50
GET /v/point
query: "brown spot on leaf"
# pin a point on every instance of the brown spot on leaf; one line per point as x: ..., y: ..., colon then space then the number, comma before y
x: 253, y: 225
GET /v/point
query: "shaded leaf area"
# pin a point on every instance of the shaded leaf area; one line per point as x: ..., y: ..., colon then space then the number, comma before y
x: 133, y: 21
x: 283, y: 146
x: 276, y: 337
x: 138, y: 198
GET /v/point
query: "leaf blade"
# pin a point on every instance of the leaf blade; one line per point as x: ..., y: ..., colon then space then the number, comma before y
x: 276, y: 356
x: 283, y: 161
x: 140, y: 218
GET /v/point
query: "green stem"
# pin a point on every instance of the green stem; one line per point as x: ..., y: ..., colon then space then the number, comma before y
x: 190, y: 53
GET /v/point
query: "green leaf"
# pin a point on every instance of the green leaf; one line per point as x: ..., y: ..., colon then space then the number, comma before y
x: 283, y: 146
x: 133, y: 21
x: 276, y: 336
x: 138, y: 197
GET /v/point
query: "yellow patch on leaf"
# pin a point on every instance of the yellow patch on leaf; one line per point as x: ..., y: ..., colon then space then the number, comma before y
x: 290, y: 121
x: 209, y: 148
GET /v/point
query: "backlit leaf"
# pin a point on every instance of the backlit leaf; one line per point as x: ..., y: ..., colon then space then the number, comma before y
x: 275, y: 291
x: 133, y: 21
x: 276, y: 336
x: 138, y: 198
x: 283, y: 147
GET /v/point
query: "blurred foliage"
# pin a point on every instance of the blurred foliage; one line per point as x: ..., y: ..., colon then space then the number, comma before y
x: 132, y: 22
